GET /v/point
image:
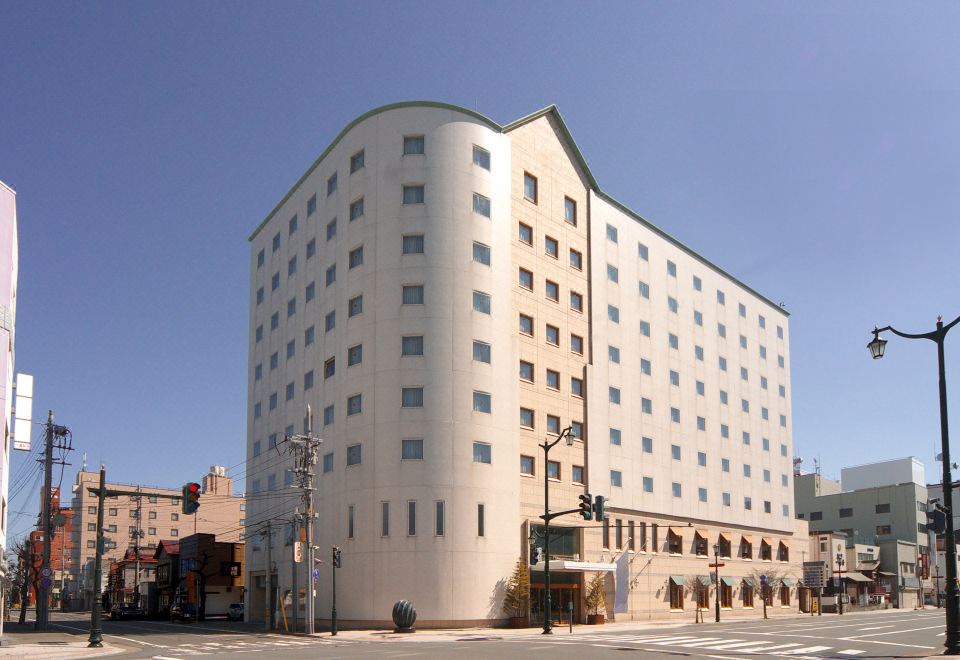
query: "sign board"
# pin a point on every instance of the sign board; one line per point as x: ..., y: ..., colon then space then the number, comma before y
x: 814, y: 574
x: 230, y: 568
x: 46, y: 582
x: 45, y: 572
x: 23, y: 412
x: 298, y: 551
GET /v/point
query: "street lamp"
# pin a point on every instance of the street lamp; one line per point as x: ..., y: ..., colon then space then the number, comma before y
x: 716, y: 569
x: 547, y: 446
x: 876, y: 347
x: 841, y: 592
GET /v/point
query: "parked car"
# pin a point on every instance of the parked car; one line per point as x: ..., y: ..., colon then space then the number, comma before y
x: 126, y: 611
x: 183, y: 612
x: 235, y: 612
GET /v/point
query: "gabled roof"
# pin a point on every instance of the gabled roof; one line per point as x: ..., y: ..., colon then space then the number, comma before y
x: 170, y: 547
x: 554, y: 113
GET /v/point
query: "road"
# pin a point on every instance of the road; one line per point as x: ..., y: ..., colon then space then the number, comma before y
x: 891, y: 634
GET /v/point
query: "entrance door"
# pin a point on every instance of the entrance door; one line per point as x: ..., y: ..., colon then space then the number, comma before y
x: 560, y: 598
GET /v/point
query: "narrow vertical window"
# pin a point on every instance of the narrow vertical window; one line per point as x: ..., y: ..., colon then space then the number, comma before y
x: 440, y: 518
x: 385, y: 519
x: 411, y: 518
x: 481, y: 522
x: 350, y: 530
x: 530, y: 187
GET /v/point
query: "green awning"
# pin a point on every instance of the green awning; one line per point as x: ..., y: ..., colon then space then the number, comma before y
x: 750, y: 582
x: 704, y: 580
x: 729, y: 581
x: 788, y: 582
x: 678, y: 580
x: 857, y: 577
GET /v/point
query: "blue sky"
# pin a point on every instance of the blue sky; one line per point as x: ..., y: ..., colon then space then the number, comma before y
x: 810, y: 148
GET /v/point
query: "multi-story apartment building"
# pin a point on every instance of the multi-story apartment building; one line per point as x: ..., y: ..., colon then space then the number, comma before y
x: 446, y: 293
x: 61, y: 550
x: 9, y: 257
x: 152, y: 518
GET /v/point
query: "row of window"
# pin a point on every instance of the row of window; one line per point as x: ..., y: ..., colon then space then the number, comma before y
x: 151, y: 531
x: 646, y: 406
x: 638, y: 534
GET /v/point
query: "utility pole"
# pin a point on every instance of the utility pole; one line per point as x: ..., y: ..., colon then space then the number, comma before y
x: 43, y: 593
x: 136, y: 548
x: 306, y: 448
x: 293, y: 569
x: 96, y: 623
x: 268, y: 619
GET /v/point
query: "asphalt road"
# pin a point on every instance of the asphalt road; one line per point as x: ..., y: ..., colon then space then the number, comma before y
x: 890, y: 634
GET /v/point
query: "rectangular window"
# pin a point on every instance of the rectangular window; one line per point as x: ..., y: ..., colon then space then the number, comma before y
x: 644, y: 290
x: 439, y: 530
x: 576, y: 430
x: 552, y: 335
x: 411, y: 449
x: 481, y: 527
x: 647, y: 444
x: 526, y: 418
x: 290, y: 391
x: 721, y: 298
x: 530, y: 187
x: 328, y: 414
x: 671, y: 269
x: 350, y: 521
x: 613, y: 354
x: 698, y: 353
x: 310, y: 292
x: 615, y: 437
x: 577, y: 474
x: 672, y: 304
x: 413, y: 244
x: 527, y: 464
x: 552, y: 291
x: 576, y: 344
x: 576, y: 301
x: 412, y: 345
x: 332, y: 184
x: 291, y: 307
x: 411, y: 518
x: 553, y: 470
x: 413, y: 145
x: 354, y: 404
x: 481, y: 302
x: 697, y: 284
x: 354, y: 355
x: 413, y: 194
x: 614, y: 395
x: 331, y: 275
x: 576, y: 386
x: 526, y: 325
x: 553, y: 379
x: 275, y: 282
x: 276, y: 242
x: 260, y: 296
x: 356, y: 257
x: 355, y: 306
x: 846, y: 512
x: 616, y: 479
x: 642, y: 251
x: 354, y: 455
x: 525, y: 233
x: 481, y: 453
x: 613, y: 273
x: 674, y: 341
x: 645, y: 328
x: 481, y: 157
x: 646, y: 406
x: 356, y: 209
x: 481, y: 402
x: 611, y: 233
x: 481, y: 253
x: 356, y: 161
x: 570, y: 211
x: 481, y: 351
x: 411, y: 397
x: 413, y: 294
x: 481, y: 205
x: 551, y: 246
x: 702, y: 494
x: 331, y: 229
x: 701, y: 388
x: 674, y: 378
x: 576, y: 259
x: 648, y: 484
x: 613, y: 313
x: 384, y: 518
x: 308, y: 380
x: 525, y: 278
x: 721, y: 330
x: 261, y: 258
x: 292, y: 267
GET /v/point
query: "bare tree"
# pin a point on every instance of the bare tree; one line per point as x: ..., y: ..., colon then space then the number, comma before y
x: 692, y: 586
x: 767, y: 578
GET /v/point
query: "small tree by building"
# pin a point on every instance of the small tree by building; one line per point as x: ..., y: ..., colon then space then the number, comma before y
x: 596, y: 598
x: 772, y: 579
x: 700, y: 592
x: 516, y: 602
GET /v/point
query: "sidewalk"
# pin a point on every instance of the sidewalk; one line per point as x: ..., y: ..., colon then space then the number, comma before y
x: 25, y: 642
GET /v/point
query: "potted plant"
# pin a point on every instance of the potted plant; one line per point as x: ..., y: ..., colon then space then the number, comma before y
x: 596, y: 600
x: 516, y: 602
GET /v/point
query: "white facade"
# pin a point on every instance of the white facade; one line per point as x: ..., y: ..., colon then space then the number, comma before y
x: 907, y: 470
x: 8, y: 313
x: 471, y: 503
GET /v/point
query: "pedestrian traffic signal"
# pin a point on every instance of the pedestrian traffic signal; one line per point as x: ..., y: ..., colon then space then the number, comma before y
x: 336, y: 557
x: 598, y: 503
x: 937, y: 521
x: 586, y: 506
x: 191, y: 497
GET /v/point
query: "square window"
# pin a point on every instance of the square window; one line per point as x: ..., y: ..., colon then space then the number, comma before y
x: 553, y: 379
x: 481, y: 402
x: 356, y: 209
x: 525, y: 233
x: 481, y: 302
x: 481, y: 253
x: 411, y: 397
x: 526, y: 371
x: 354, y: 455
x: 616, y: 478
x: 576, y: 301
x: 526, y: 418
x: 527, y: 465
x: 413, y: 244
x: 647, y: 444
x: 356, y: 257
x: 413, y: 294
x: 615, y: 437
x: 552, y: 291
x: 332, y: 229
x: 413, y: 145
x: 481, y: 205
x: 413, y: 194
x: 570, y: 211
x: 356, y: 161
x: 576, y: 259
x: 411, y: 449
x: 526, y: 325
x: 482, y: 453
x: 530, y: 187
x: 481, y: 351
x: 551, y: 246
x: 412, y: 345
x: 355, y: 306
x: 354, y: 405
x: 576, y: 344
x: 354, y: 355
x: 481, y: 157
x: 525, y: 279
x: 553, y: 335
x: 332, y: 184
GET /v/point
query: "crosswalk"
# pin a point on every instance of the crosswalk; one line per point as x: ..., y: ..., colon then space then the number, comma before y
x: 731, y: 645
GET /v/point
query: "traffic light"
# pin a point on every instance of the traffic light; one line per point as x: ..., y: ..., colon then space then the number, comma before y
x: 336, y: 557
x: 937, y: 521
x: 586, y: 506
x: 191, y: 497
x: 598, y: 502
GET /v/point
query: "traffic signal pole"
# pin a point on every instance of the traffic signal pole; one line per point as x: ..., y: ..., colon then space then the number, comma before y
x: 43, y: 593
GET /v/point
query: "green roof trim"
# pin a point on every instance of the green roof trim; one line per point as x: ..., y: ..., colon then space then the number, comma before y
x: 678, y: 580
x: 729, y: 581
x: 550, y: 110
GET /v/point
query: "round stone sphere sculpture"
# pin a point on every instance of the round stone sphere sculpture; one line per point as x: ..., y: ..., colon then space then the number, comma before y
x: 404, y: 616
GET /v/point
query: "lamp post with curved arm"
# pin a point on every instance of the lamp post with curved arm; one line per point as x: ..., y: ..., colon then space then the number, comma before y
x: 876, y: 347
x: 547, y: 604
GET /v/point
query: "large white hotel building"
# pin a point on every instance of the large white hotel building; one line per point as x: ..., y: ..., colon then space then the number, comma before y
x: 446, y: 293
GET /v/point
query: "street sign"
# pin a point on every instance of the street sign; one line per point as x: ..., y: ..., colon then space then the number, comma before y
x: 763, y: 579
x: 298, y: 551
x: 316, y: 575
x: 45, y: 572
x: 46, y: 582
x: 814, y: 574
x: 716, y: 565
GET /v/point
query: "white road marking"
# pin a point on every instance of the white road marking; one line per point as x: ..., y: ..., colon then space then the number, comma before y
x: 128, y: 639
x: 735, y: 645
x: 894, y: 632
x: 672, y: 640
x: 706, y: 641
x: 850, y: 652
x: 807, y: 649
x: 877, y: 627
x: 765, y: 649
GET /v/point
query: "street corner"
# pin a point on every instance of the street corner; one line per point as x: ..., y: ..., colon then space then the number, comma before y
x: 57, y: 651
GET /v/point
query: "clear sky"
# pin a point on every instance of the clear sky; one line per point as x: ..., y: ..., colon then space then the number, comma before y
x: 809, y: 148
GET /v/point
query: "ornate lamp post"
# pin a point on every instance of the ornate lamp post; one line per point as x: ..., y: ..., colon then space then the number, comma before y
x: 877, y: 347
x: 716, y: 568
x: 547, y: 446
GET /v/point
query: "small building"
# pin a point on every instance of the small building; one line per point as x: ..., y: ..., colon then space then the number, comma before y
x: 211, y: 573
x: 167, y: 555
x: 130, y: 578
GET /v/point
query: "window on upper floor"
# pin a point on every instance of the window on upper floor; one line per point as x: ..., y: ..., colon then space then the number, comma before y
x: 570, y: 211
x: 481, y: 205
x: 481, y: 253
x: 413, y: 244
x: 525, y: 233
x: 530, y: 187
x: 413, y: 145
x: 356, y: 209
x: 413, y: 194
x: 357, y: 161
x: 481, y: 157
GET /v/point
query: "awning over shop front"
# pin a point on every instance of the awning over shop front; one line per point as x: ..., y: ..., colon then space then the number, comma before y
x: 704, y: 580
x: 766, y: 540
x: 702, y: 533
x: 677, y: 531
x: 747, y: 538
x: 569, y: 566
x: 788, y: 582
x: 911, y: 582
x: 726, y: 536
x: 884, y: 573
x: 729, y: 581
x: 678, y: 580
x: 750, y: 582
x: 857, y: 577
